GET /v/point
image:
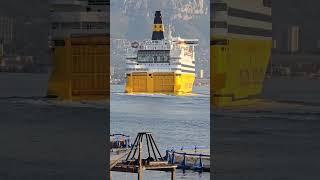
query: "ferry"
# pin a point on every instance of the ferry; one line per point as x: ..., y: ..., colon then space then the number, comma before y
x: 161, y: 65
x: 241, y: 43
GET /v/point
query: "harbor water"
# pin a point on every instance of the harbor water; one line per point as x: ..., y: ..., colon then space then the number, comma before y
x: 250, y: 142
x: 175, y: 121
x: 48, y: 139
x: 276, y: 137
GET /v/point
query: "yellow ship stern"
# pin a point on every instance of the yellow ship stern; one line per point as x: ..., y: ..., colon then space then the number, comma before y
x: 159, y: 82
x: 238, y: 70
x: 80, y: 69
x: 241, y: 43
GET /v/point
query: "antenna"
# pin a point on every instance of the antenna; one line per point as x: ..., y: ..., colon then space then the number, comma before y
x: 170, y: 32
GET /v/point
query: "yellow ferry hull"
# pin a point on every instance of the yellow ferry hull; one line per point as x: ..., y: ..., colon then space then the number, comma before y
x: 80, y: 69
x: 159, y: 82
x: 238, y: 70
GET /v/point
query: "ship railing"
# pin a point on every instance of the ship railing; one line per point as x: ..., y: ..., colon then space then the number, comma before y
x: 130, y: 61
x: 154, y: 47
x: 160, y: 42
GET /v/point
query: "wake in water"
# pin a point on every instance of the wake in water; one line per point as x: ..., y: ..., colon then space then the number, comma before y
x: 100, y: 104
x: 160, y: 94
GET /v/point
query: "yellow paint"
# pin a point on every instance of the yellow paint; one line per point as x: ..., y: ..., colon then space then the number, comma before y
x: 238, y: 69
x: 160, y: 82
x: 80, y: 69
x: 158, y: 28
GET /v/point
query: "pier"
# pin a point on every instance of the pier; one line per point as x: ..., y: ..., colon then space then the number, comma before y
x: 137, y: 163
x: 190, y: 158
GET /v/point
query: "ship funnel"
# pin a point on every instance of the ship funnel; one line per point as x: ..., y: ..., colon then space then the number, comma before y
x: 158, y: 27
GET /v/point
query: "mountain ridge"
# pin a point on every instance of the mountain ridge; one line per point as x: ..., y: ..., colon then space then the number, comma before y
x: 133, y: 19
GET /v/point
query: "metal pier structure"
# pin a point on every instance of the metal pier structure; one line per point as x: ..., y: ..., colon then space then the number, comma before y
x: 138, y: 161
x: 196, y: 158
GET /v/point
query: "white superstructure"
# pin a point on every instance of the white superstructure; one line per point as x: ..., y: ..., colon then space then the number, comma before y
x: 174, y: 55
x: 78, y: 17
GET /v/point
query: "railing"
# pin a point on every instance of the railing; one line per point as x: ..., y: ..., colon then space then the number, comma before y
x: 120, y: 141
x: 199, y: 165
x: 155, y: 45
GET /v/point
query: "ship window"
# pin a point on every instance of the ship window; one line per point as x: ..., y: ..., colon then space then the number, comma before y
x: 162, y: 59
x: 155, y: 59
x: 143, y: 59
x: 149, y: 59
